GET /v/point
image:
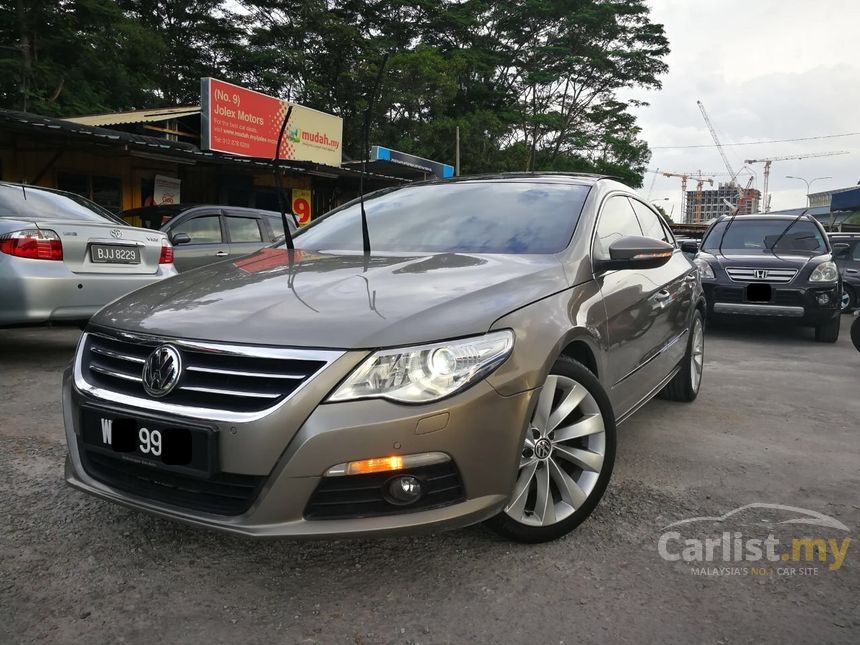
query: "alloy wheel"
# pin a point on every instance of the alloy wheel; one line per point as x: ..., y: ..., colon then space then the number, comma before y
x: 562, y: 455
x: 697, y: 355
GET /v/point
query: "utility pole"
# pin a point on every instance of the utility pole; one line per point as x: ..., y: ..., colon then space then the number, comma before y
x: 457, y: 152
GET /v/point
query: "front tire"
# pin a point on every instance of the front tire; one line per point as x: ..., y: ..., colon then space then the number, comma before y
x: 686, y: 383
x: 849, y: 299
x: 829, y: 331
x: 567, y: 457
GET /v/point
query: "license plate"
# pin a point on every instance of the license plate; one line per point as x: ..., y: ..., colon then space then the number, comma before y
x: 759, y: 293
x: 114, y: 254
x: 149, y: 442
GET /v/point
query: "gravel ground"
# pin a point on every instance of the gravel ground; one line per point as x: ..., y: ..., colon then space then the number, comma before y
x: 775, y: 423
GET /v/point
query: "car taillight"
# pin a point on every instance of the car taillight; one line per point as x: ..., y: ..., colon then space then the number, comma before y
x: 166, y: 253
x: 35, y: 244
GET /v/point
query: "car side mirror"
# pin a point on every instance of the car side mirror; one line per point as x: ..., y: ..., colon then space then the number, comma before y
x: 840, y: 249
x: 635, y: 252
x: 688, y: 246
x: 180, y: 238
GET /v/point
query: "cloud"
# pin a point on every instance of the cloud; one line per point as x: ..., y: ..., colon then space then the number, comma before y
x: 764, y: 70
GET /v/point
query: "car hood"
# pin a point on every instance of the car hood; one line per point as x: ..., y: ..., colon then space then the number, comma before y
x: 309, y: 299
x: 765, y: 259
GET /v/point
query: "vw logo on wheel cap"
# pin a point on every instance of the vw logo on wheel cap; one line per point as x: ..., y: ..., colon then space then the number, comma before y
x: 543, y: 448
x: 162, y: 370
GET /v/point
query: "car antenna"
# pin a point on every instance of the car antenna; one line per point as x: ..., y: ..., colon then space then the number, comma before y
x: 279, y: 177
x: 365, y: 158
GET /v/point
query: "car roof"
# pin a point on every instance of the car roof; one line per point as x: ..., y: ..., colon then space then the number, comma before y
x: 765, y: 218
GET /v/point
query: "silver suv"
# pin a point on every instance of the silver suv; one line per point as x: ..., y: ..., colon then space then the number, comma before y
x: 472, y: 367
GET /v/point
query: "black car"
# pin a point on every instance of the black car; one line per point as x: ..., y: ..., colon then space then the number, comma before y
x: 204, y: 234
x: 846, y: 252
x: 772, y: 266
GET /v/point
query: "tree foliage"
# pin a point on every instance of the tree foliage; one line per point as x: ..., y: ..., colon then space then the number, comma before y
x: 531, y: 84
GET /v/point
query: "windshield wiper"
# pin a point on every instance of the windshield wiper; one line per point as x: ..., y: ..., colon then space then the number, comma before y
x: 787, y: 228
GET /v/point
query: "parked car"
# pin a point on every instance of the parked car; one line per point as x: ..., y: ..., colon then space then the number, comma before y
x: 472, y: 367
x: 846, y: 253
x: 205, y: 234
x: 772, y: 266
x: 62, y: 257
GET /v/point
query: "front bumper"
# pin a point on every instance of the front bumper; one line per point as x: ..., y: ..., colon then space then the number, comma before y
x: 36, y: 292
x: 480, y: 429
x: 789, y: 302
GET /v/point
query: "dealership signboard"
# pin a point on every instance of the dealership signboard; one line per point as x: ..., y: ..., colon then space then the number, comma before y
x: 441, y: 170
x: 242, y: 122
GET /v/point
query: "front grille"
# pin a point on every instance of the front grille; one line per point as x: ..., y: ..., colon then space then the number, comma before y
x: 217, y: 377
x: 776, y: 276
x: 355, y: 496
x: 221, y: 494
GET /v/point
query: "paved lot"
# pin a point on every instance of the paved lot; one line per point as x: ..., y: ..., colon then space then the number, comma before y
x: 776, y: 422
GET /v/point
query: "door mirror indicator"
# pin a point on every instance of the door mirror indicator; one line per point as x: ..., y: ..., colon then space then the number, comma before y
x: 636, y: 252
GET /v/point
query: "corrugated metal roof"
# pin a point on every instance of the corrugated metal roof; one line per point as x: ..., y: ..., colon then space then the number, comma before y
x: 137, y: 116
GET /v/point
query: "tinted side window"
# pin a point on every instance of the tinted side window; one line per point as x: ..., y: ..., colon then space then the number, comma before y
x: 617, y: 220
x: 651, y: 226
x: 202, y: 230
x: 856, y: 254
x: 244, y: 229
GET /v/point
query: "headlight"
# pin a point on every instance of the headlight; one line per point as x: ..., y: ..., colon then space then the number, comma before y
x: 705, y: 270
x: 427, y: 372
x: 825, y: 272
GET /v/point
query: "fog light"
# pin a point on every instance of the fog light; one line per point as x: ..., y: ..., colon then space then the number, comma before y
x: 403, y: 490
x: 823, y: 298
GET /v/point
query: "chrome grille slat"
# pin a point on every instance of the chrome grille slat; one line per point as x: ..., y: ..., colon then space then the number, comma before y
x: 215, y: 370
x: 218, y: 381
x: 113, y: 354
x: 114, y: 374
x: 212, y: 390
x: 748, y: 274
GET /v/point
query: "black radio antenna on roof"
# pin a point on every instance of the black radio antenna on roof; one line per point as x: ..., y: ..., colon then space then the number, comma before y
x: 365, y: 233
x: 279, y: 180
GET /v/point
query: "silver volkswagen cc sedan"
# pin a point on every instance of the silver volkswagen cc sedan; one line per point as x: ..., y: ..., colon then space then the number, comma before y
x: 63, y: 257
x: 471, y: 367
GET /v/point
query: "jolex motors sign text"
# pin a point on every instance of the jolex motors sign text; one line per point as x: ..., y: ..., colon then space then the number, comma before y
x: 242, y: 122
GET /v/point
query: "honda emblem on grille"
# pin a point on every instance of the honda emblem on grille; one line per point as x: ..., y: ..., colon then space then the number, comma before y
x: 116, y: 233
x: 161, y: 371
x: 760, y: 274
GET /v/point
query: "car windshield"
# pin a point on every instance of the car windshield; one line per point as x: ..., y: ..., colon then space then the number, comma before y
x: 32, y: 203
x: 466, y: 217
x: 761, y: 235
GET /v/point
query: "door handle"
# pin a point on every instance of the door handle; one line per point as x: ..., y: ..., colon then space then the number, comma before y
x: 691, y: 277
x: 221, y: 254
x: 851, y: 271
x: 663, y: 294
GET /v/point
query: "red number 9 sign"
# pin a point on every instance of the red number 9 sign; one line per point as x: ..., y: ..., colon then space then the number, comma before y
x: 302, y: 206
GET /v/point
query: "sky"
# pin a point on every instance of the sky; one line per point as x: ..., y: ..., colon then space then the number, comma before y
x: 764, y: 69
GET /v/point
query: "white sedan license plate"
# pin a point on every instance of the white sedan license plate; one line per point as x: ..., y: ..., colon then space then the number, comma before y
x: 114, y: 254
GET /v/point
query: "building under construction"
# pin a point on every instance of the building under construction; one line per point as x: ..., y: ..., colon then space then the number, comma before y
x: 705, y: 205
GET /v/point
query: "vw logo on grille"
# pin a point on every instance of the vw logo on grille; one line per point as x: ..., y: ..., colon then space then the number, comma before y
x: 543, y: 448
x: 161, y: 371
x: 760, y: 274
x: 116, y: 233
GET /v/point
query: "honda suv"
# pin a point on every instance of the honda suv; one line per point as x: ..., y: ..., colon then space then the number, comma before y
x: 471, y: 366
x: 772, y: 266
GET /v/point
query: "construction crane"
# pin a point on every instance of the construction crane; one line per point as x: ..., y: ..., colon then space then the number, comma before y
x: 769, y: 160
x: 685, y: 177
x: 732, y: 173
x: 744, y: 198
